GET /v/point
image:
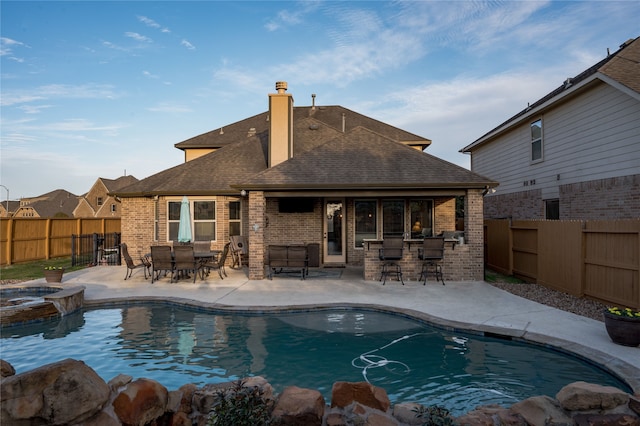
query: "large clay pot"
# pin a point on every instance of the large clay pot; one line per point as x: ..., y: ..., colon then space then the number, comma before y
x: 53, y: 275
x: 622, y: 330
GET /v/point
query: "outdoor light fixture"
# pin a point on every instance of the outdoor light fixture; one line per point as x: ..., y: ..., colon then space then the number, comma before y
x: 243, y: 193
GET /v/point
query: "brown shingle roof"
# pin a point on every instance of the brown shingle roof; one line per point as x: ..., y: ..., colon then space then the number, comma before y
x: 362, y: 159
x: 324, y: 157
x: 330, y: 116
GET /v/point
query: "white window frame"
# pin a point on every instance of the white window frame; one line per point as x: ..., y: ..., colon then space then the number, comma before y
x: 535, y: 141
x: 192, y: 201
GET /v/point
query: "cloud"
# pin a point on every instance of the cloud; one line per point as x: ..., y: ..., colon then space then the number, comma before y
x: 169, y: 108
x: 188, y: 45
x: 153, y: 24
x: 7, y: 45
x: 53, y: 91
x: 138, y: 37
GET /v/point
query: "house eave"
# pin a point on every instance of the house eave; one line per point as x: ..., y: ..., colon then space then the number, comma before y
x: 532, y: 112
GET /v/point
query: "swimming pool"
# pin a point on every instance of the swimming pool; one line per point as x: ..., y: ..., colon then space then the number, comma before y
x: 412, y: 361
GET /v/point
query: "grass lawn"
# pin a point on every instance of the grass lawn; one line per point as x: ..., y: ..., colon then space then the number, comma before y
x: 34, y: 270
x: 494, y: 277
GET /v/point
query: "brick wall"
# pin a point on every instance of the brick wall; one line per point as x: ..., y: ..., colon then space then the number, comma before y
x: 613, y: 198
x: 137, y: 225
x: 520, y: 205
x: 256, y: 232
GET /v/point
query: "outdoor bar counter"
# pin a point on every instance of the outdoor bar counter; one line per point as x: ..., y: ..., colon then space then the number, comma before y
x: 456, y: 255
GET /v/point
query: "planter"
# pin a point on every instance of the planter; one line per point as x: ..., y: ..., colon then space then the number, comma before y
x: 53, y: 275
x: 622, y: 330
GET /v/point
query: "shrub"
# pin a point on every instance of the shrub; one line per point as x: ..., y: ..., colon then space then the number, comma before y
x: 241, y: 406
x: 434, y: 415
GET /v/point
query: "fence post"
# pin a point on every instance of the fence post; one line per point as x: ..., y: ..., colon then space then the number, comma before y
x: 47, y: 240
x: 95, y: 249
x: 9, y: 247
x: 510, y: 244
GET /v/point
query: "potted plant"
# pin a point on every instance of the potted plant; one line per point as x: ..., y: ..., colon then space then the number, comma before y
x: 53, y: 274
x: 623, y: 325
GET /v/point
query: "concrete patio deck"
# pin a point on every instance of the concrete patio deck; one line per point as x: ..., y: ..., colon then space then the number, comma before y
x: 475, y: 306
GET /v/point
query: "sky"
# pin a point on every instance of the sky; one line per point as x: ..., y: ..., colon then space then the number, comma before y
x: 100, y: 89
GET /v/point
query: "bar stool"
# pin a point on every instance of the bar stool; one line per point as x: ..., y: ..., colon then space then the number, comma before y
x: 390, y: 253
x: 431, y: 254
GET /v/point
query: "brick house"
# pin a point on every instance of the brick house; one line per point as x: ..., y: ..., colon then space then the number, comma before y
x: 98, y: 202
x: 321, y: 175
x: 573, y: 154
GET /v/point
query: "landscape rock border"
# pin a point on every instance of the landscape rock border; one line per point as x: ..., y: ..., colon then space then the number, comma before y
x: 70, y: 392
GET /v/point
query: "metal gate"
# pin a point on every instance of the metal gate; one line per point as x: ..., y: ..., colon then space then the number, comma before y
x: 95, y: 249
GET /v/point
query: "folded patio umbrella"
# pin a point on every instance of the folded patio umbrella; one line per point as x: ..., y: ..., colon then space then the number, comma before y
x: 184, y: 228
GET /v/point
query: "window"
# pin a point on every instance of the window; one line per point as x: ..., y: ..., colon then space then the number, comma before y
x: 366, y: 220
x: 421, y: 218
x: 552, y: 209
x: 99, y: 201
x: 235, y: 223
x: 113, y: 208
x: 536, y: 140
x: 392, y: 218
x: 203, y: 219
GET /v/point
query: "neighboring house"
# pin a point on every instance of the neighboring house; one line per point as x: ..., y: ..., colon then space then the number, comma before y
x: 321, y: 175
x: 98, y: 203
x: 575, y: 153
x: 12, y: 205
x: 58, y: 203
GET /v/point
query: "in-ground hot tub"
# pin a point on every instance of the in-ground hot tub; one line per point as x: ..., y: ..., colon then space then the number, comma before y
x: 24, y: 304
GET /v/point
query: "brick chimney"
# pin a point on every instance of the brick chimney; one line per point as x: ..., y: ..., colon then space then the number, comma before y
x: 280, y: 125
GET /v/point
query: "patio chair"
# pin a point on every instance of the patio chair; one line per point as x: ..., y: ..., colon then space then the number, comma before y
x: 431, y: 254
x: 161, y: 261
x: 239, y: 250
x: 185, y: 262
x: 131, y: 265
x: 390, y: 253
x: 217, y: 264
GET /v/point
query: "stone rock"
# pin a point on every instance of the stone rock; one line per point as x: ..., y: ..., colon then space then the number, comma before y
x: 141, y: 402
x: 119, y: 382
x: 298, y: 406
x: 634, y: 404
x: 186, y: 392
x: 379, y: 419
x: 582, y: 396
x: 260, y: 383
x: 541, y: 410
x: 336, y: 419
x: 345, y: 393
x: 606, y: 420
x: 490, y: 415
x: 406, y: 412
x: 64, y: 392
x: 6, y: 369
x: 101, y: 419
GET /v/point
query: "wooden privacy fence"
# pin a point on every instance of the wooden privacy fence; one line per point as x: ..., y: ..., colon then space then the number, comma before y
x: 30, y: 239
x: 598, y: 259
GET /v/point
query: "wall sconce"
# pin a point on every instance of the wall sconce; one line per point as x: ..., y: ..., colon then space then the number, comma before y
x: 243, y: 193
x: 255, y: 227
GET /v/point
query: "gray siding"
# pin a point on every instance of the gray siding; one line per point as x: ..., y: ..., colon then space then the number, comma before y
x: 593, y: 136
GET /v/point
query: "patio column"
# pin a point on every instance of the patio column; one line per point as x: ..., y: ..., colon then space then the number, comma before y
x: 257, y: 207
x: 474, y: 231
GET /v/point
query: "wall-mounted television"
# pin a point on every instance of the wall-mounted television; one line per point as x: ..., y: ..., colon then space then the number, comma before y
x: 295, y: 205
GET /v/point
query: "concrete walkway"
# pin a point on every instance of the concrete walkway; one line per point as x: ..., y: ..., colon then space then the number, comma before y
x: 462, y: 305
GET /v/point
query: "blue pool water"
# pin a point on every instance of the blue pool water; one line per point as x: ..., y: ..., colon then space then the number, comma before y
x: 411, y: 361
